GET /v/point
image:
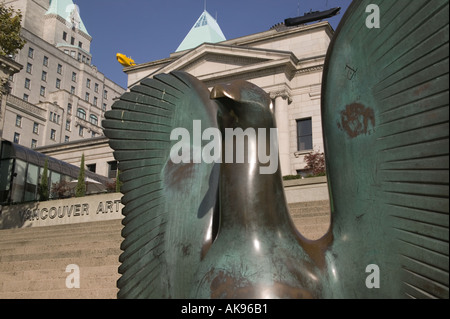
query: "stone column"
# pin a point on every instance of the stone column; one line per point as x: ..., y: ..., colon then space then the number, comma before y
x: 281, y: 101
x: 7, y: 67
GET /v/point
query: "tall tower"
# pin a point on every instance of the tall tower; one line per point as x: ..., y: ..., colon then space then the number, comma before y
x: 64, y: 28
x: 59, y: 96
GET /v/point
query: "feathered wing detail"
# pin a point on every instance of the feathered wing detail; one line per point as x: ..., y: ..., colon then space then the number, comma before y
x: 168, y: 207
x: 385, y: 115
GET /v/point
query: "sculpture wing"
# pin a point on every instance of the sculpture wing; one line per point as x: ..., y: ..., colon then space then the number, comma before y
x: 385, y: 114
x: 168, y: 206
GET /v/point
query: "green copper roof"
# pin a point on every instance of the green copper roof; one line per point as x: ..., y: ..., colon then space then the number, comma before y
x: 67, y: 10
x: 204, y: 30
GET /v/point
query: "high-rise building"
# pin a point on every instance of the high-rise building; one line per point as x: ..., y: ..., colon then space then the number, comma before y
x: 59, y: 95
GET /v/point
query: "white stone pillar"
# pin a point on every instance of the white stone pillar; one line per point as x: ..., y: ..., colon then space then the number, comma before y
x: 282, y: 100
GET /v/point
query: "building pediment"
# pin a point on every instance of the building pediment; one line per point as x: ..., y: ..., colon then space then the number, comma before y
x: 210, y: 60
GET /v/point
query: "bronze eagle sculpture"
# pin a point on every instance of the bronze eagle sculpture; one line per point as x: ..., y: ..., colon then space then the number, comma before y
x: 196, y: 228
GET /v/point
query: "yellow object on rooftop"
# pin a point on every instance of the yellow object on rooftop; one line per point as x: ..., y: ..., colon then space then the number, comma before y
x: 124, y: 60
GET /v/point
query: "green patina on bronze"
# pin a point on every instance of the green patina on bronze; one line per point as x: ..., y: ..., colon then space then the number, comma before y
x: 200, y: 230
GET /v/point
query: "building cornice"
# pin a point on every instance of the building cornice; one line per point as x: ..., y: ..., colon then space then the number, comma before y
x: 27, y: 108
x: 272, y: 34
x: 9, y: 66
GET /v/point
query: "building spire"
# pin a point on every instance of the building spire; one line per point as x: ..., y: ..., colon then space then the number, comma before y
x: 204, y: 30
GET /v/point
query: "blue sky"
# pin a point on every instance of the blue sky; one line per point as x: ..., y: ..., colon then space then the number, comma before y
x: 149, y: 30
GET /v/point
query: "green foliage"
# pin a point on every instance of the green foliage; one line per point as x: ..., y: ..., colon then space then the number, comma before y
x: 43, y: 186
x: 118, y: 182
x: 80, y: 190
x: 10, y: 40
x: 291, y: 177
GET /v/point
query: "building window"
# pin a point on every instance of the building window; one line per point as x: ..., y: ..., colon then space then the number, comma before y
x: 104, y: 107
x: 72, y: 41
x: 105, y: 94
x: 58, y: 83
x: 66, y: 139
x: 95, y: 101
x: 25, y: 97
x: 59, y: 69
x: 45, y: 62
x: 72, y: 90
x: 86, y: 97
x: 29, y: 67
x: 44, y: 76
x: 81, y: 113
x: 53, y: 135
x: 16, y: 138
x: 67, y: 125
x: 54, y: 117
x: 304, y: 134
x: 31, y: 53
x: 64, y: 35
x: 88, y: 83
x: 27, y: 83
x: 74, y: 76
x: 33, y: 143
x: 36, y: 128
x: 80, y: 44
x: 80, y: 130
x: 112, y: 169
x: 69, y: 108
x: 93, y: 119
x: 19, y: 121
x: 42, y: 91
x: 73, y: 54
x: 91, y: 167
x: 93, y: 134
x: 96, y: 87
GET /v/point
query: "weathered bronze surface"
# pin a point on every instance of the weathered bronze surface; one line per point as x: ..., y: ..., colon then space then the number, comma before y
x: 222, y: 230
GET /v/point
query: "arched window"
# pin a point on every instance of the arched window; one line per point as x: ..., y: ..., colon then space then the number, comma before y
x: 93, y: 119
x: 81, y: 113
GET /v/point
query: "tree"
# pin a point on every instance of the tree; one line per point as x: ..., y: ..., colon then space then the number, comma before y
x: 118, y: 182
x: 316, y: 163
x: 80, y: 190
x: 61, y: 189
x: 10, y: 40
x: 43, y: 186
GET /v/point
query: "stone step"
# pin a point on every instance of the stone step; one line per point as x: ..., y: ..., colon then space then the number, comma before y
x: 106, y: 293
x: 309, y: 209
x: 313, y: 232
x: 59, y: 283
x: 59, y: 263
x: 55, y: 236
x: 322, y: 203
x: 60, y: 272
x: 59, y: 230
x: 44, y: 246
x: 76, y: 253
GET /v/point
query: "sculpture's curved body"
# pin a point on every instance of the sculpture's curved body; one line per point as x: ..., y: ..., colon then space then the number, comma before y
x: 199, y: 229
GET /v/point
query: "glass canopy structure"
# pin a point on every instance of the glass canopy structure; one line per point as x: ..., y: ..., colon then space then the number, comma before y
x: 21, y: 169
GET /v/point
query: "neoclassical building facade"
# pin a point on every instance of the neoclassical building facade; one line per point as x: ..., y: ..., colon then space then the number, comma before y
x: 286, y: 62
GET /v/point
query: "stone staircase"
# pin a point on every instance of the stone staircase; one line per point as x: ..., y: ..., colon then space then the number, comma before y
x: 312, y: 219
x: 33, y: 261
